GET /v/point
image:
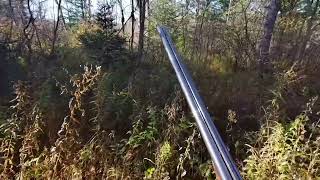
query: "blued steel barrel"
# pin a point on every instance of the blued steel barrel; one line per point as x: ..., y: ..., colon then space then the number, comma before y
x: 223, y: 163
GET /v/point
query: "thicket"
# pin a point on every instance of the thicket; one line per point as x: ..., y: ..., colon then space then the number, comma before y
x: 95, y: 109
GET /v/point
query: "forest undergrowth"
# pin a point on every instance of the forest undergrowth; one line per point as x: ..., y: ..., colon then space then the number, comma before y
x: 120, y: 124
x: 93, y: 107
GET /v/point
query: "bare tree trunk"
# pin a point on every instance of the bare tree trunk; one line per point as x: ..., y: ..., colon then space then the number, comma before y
x: 32, y: 21
x: 309, y: 30
x: 62, y: 16
x: 132, y: 25
x: 142, y: 17
x: 272, y: 13
x: 26, y: 34
x: 122, y: 15
x: 89, y: 9
x: 83, y: 9
x: 55, y: 31
x: 248, y: 43
x: 200, y: 36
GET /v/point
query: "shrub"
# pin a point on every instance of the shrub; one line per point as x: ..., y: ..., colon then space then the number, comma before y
x: 286, y: 151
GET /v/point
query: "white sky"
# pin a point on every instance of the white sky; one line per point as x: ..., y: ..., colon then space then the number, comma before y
x: 51, y: 8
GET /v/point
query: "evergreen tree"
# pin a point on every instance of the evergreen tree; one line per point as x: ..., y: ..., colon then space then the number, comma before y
x: 105, y: 18
x: 77, y: 10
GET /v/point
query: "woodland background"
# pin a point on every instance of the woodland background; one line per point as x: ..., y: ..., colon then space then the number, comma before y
x: 86, y: 96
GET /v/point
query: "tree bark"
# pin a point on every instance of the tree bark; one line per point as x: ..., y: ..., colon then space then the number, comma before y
x: 26, y: 34
x: 122, y: 15
x: 272, y: 13
x: 56, y: 27
x: 89, y: 10
x: 132, y: 25
x: 32, y: 21
x: 142, y: 17
x: 61, y: 15
x: 83, y: 9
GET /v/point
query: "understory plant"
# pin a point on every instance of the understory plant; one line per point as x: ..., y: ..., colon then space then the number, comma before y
x: 287, y: 150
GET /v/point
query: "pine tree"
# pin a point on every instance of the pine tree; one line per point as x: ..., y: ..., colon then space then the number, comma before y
x: 105, y: 19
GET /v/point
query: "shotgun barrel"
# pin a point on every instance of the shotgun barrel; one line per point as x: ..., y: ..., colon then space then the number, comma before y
x: 222, y: 161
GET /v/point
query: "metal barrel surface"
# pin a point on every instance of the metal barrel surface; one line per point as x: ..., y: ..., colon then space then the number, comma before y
x: 223, y: 163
